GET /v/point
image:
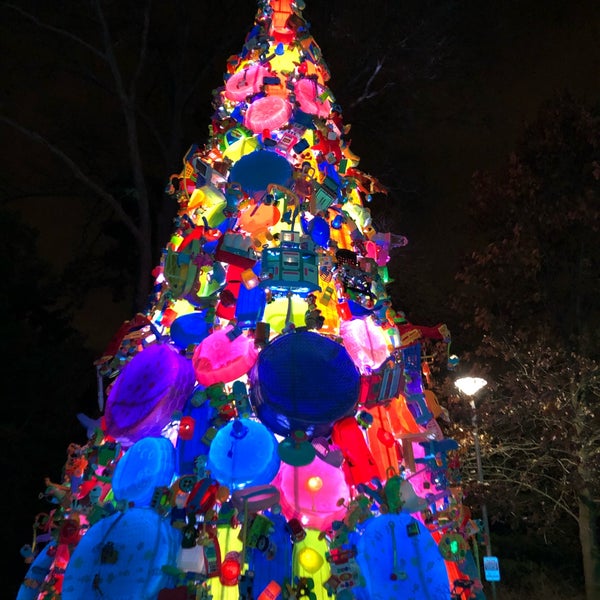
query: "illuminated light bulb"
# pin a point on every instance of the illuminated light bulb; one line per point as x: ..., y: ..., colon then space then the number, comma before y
x: 470, y: 385
x: 310, y: 560
x: 314, y: 483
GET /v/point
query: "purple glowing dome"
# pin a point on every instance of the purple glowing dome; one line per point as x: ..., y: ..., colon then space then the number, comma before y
x: 154, y: 385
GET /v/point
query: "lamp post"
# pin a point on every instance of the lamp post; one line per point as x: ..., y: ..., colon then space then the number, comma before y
x: 470, y: 386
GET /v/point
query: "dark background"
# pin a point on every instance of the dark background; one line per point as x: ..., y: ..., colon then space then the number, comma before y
x: 459, y: 80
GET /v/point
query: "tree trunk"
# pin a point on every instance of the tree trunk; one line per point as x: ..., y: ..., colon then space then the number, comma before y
x: 589, y: 536
x: 142, y: 291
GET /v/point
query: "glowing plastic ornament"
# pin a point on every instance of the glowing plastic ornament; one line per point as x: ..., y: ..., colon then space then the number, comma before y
x: 309, y: 95
x: 223, y: 356
x: 148, y: 464
x: 359, y: 214
x: 279, y: 30
x: 243, y: 454
x: 359, y: 466
x: 279, y: 309
x: 268, y: 112
x: 310, y: 559
x: 292, y: 378
x: 318, y: 575
x: 311, y: 493
x: 246, y: 82
x: 230, y: 568
x: 206, y: 206
x: 382, y: 443
x: 238, y: 143
x: 399, y: 559
x: 285, y: 58
x: 365, y: 342
x: 189, y: 329
x: 154, y: 385
x: 187, y: 426
x: 256, y: 170
x: 256, y: 219
x: 314, y: 484
x: 318, y: 229
x: 123, y: 556
x: 230, y: 547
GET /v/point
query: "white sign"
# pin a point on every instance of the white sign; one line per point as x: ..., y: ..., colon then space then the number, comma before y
x: 491, y: 566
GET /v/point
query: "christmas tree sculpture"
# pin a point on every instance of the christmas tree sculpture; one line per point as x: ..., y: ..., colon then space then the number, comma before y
x: 268, y: 426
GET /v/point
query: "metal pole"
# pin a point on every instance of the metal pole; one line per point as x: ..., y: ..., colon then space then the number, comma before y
x: 484, y: 512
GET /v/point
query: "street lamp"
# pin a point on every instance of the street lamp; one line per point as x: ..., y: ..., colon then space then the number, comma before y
x: 470, y: 386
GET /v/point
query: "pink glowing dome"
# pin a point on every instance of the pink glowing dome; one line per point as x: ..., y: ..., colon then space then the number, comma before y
x: 311, y: 493
x: 244, y: 83
x: 308, y: 94
x: 223, y: 356
x: 365, y: 342
x: 269, y: 112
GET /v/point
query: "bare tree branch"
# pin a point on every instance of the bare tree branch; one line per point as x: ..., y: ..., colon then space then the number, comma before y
x: 57, y: 30
x: 78, y: 173
x: 367, y: 93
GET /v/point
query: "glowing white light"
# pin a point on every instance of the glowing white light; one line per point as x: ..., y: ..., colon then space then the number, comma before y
x: 470, y: 385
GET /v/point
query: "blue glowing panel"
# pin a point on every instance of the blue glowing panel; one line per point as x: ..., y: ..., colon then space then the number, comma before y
x: 273, y: 563
x: 188, y: 450
x: 148, y: 464
x: 303, y: 381
x: 36, y: 573
x: 255, y: 171
x: 399, y: 558
x: 121, y: 558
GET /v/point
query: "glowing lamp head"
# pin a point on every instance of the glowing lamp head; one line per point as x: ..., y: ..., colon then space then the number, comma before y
x: 470, y: 385
x: 310, y: 559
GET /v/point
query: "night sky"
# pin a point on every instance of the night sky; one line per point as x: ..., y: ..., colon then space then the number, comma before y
x: 512, y: 56
x: 506, y: 57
